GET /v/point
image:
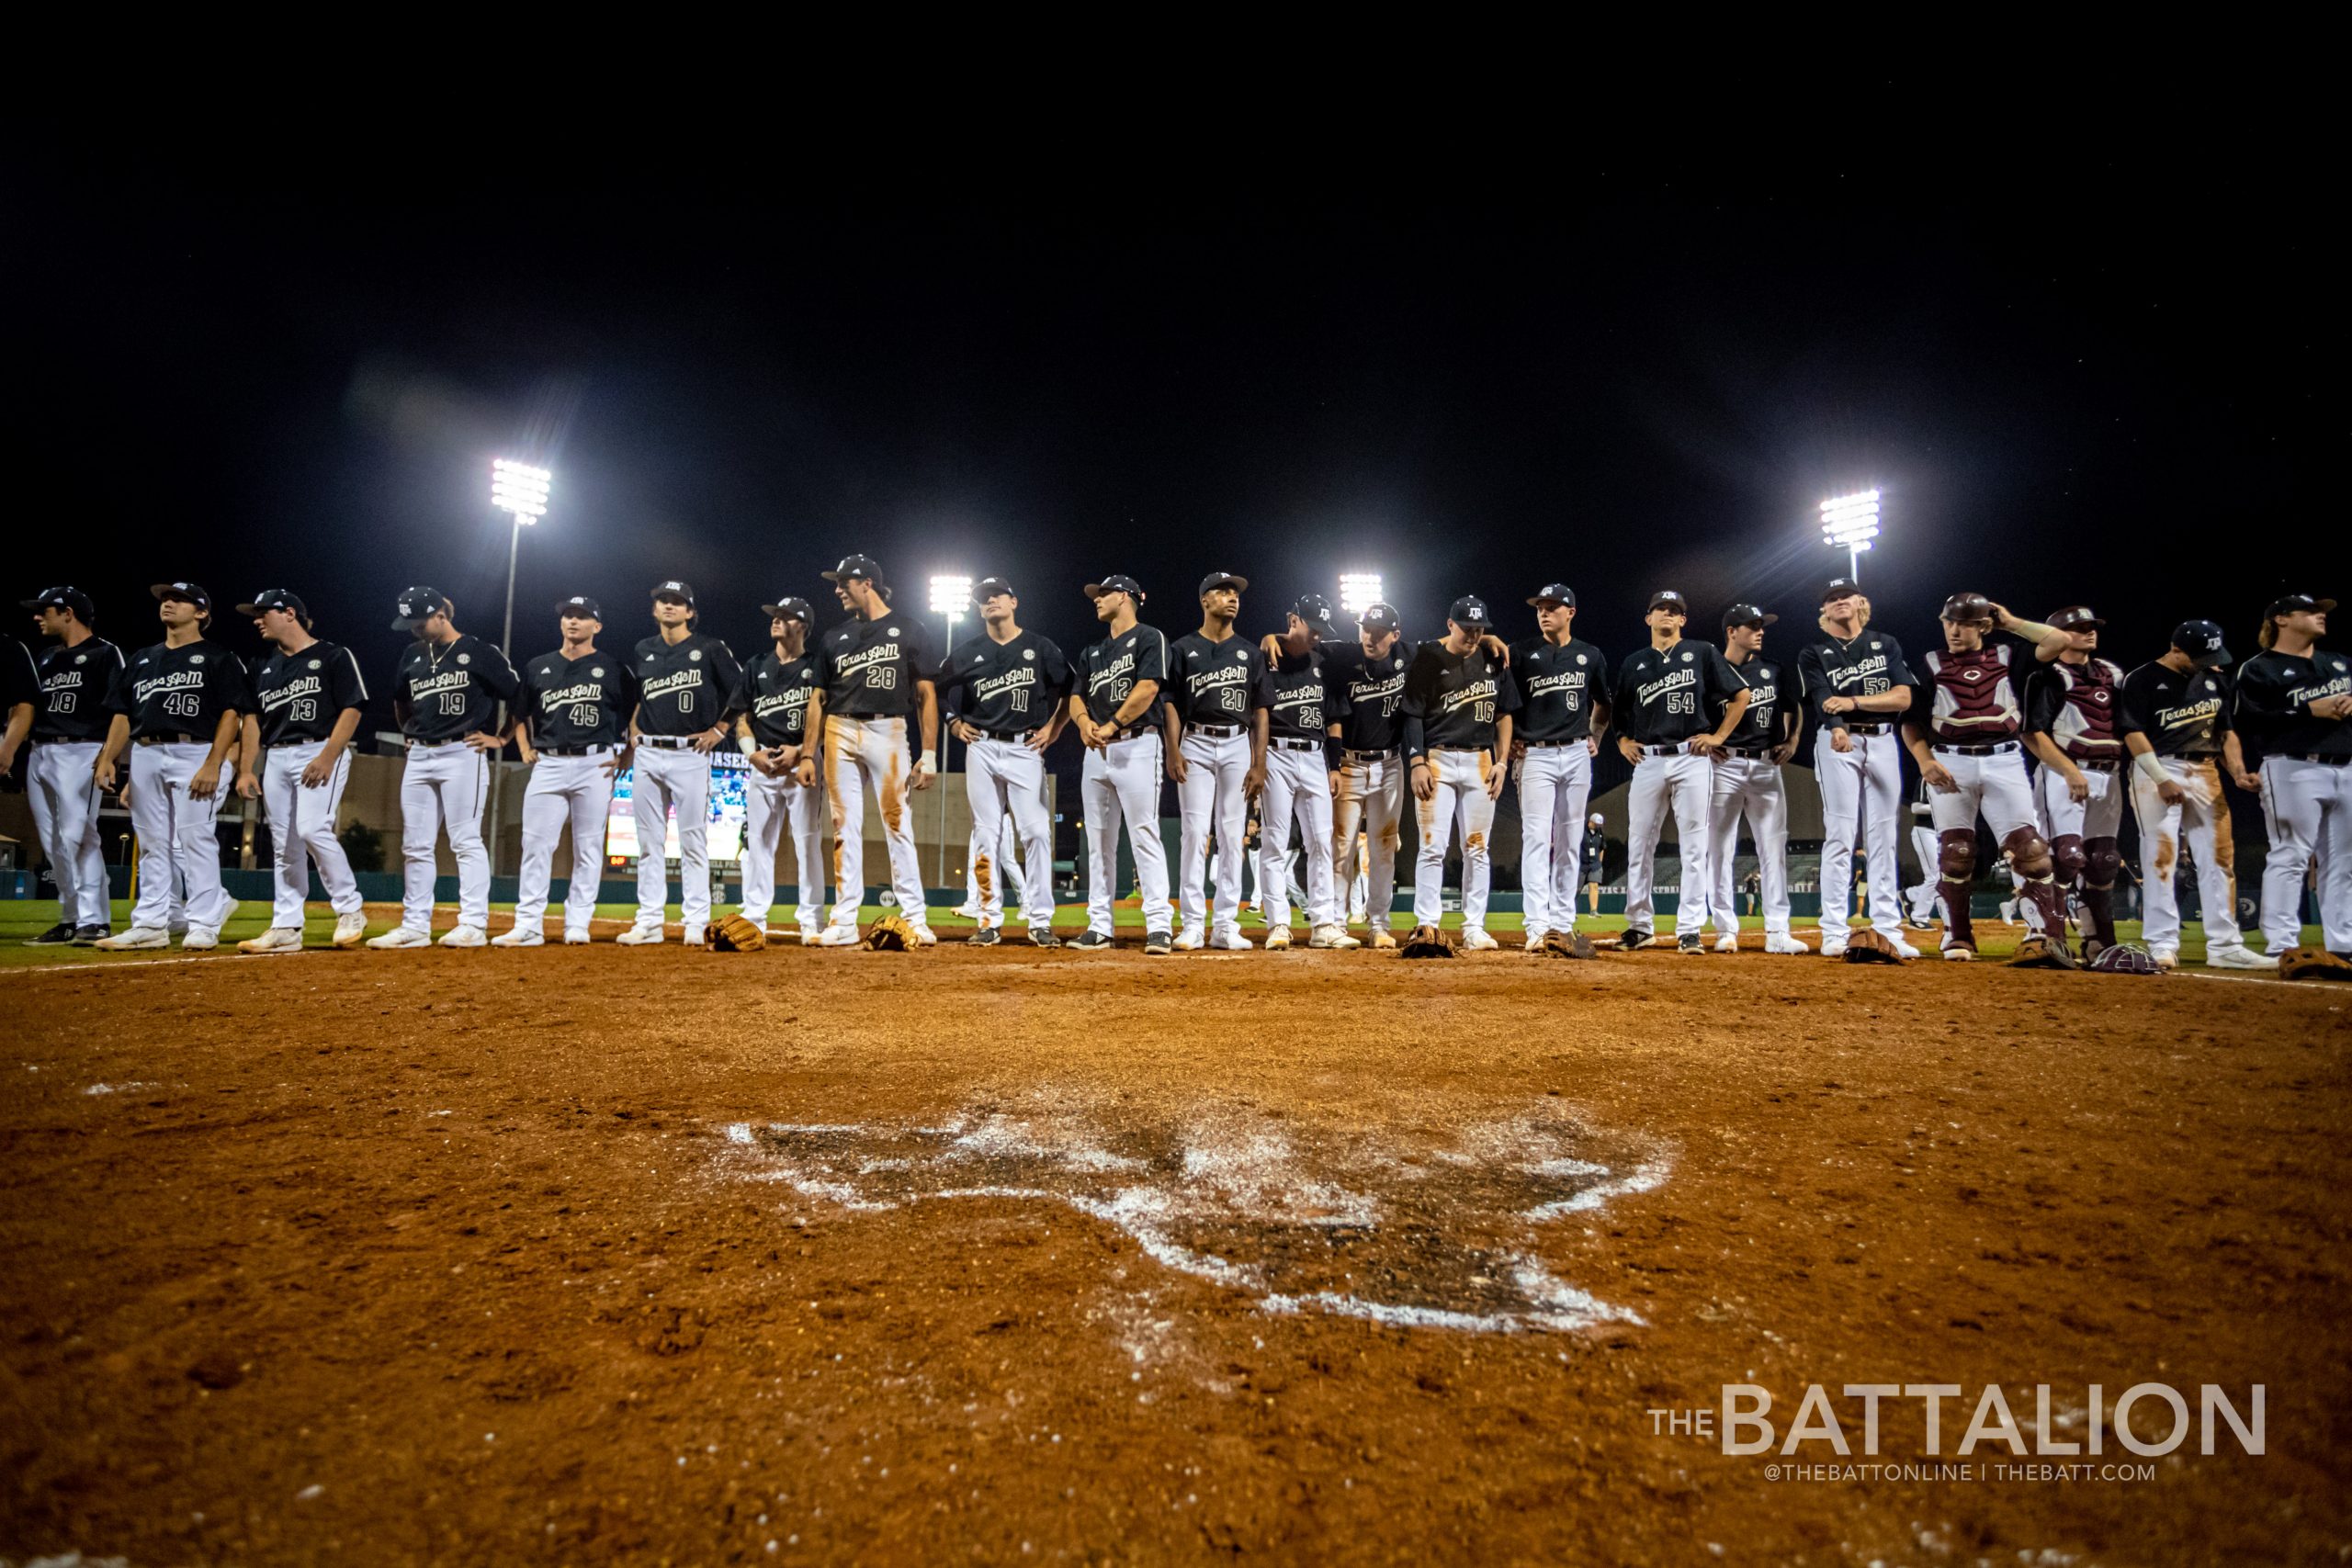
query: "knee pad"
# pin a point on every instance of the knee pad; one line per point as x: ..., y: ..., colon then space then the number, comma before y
x: 2027, y: 851
x: 2101, y: 859
x: 2066, y: 853
x: 1956, y: 854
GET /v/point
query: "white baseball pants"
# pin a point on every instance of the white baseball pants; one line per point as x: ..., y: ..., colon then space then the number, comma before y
x: 1994, y: 787
x: 671, y: 779
x: 1861, y: 789
x: 444, y: 787
x: 2100, y: 817
x: 2201, y: 825
x: 1121, y: 782
x: 1460, y: 804
x: 988, y: 900
x: 1005, y: 779
x: 770, y: 807
x: 1372, y: 798
x: 1749, y: 787
x: 577, y: 791
x: 861, y: 754
x: 1555, y: 781
x: 175, y: 835
x: 1927, y: 848
x: 1211, y: 797
x: 301, y: 831
x: 2308, y: 807
x: 65, y: 817
x: 1682, y: 784
x: 1298, y: 787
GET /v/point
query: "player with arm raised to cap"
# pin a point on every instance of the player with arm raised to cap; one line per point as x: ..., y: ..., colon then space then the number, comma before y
x: 1747, y: 781
x: 1564, y: 681
x: 1963, y: 731
x: 1669, y: 697
x: 66, y: 719
x: 686, y: 681
x: 1215, y: 760
x: 446, y: 694
x: 2294, y: 710
x: 2181, y: 737
x: 1458, y: 707
x: 2076, y: 726
x: 873, y: 673
x: 1370, y: 792
x: 1301, y: 701
x: 770, y: 728
x: 296, y: 759
x: 175, y: 708
x: 572, y: 733
x: 1115, y: 709
x: 1010, y: 688
x: 1856, y: 687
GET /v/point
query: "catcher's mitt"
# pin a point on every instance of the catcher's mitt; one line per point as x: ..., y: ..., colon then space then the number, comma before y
x: 2313, y: 963
x: 1870, y: 947
x: 734, y: 933
x: 890, y: 934
x: 2041, y: 953
x: 1427, y: 941
x: 2128, y: 958
x: 1568, y: 944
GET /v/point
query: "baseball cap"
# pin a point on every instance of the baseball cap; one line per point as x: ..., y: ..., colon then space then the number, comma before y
x: 1117, y: 582
x: 790, y: 609
x: 1668, y: 599
x: 1314, y: 609
x: 2292, y: 603
x: 72, y: 599
x: 989, y: 587
x: 1966, y: 607
x: 1225, y: 579
x: 276, y: 599
x: 1554, y: 594
x: 580, y: 604
x: 1381, y: 617
x: 865, y: 567
x: 2201, y: 640
x: 1747, y: 615
x: 1838, y: 587
x: 187, y: 591
x: 2075, y: 618
x: 1595, y: 820
x: 682, y: 592
x: 1468, y: 611
x: 416, y: 604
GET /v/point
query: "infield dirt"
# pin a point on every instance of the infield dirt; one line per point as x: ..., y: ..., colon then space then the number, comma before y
x: 662, y: 1256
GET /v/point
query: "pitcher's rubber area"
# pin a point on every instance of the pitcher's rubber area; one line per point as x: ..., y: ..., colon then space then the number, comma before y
x: 568, y: 1255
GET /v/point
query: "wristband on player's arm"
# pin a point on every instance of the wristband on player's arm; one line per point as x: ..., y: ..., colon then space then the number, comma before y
x: 1335, y: 754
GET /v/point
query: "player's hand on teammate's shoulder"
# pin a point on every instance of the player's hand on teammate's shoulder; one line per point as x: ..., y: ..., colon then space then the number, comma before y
x: 1495, y: 647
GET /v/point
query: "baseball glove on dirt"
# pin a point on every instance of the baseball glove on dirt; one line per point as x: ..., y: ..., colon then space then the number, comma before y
x: 2125, y: 958
x: 734, y: 933
x: 1426, y: 942
x: 890, y: 934
x: 2313, y: 963
x: 1870, y: 947
x: 1568, y: 944
x: 2041, y: 953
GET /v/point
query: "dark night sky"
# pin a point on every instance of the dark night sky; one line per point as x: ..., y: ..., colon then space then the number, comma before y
x: 2076, y: 377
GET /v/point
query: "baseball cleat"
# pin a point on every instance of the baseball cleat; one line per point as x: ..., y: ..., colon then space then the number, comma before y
x: 1535, y: 941
x: 969, y: 911
x: 921, y: 935
x: 1635, y: 939
x: 835, y: 936
x: 2041, y: 953
x: 1277, y: 938
x: 575, y: 936
x: 648, y: 933
x: 1692, y: 942
x: 811, y: 935
x: 1903, y: 948
x: 2238, y: 957
x: 520, y: 936
x: 1914, y: 923
x: 349, y: 929
x: 693, y: 935
x: 1777, y: 941
x: 1091, y: 941
x: 1332, y: 936
x: 1155, y: 942
x: 1728, y: 943
x: 2010, y: 913
x: 1833, y: 947
x: 1043, y: 936
x: 401, y: 936
x: 1384, y: 938
x: 58, y: 935
x: 1191, y: 940
x: 2166, y: 959
x: 200, y: 939
x: 985, y: 937
x: 1229, y: 938
x: 1959, y: 953
x: 462, y: 936
x: 1476, y: 938
x: 136, y: 937
x: 90, y: 936
x: 276, y: 939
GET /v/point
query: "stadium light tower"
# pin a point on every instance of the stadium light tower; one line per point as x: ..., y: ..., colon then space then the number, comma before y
x: 1849, y: 523
x: 950, y: 597
x: 1359, y: 592
x: 521, y: 492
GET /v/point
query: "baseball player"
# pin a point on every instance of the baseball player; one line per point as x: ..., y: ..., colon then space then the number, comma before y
x: 65, y: 717
x: 1920, y: 898
x: 686, y: 681
x: 1301, y: 703
x: 1115, y: 709
x: 1855, y: 685
x: 296, y: 758
x: 873, y: 672
x: 1563, y: 682
x: 2294, y: 709
x: 1592, y: 857
x: 770, y: 728
x: 572, y: 731
x: 1668, y: 697
x: 1460, y: 697
x: 175, y: 708
x: 2075, y: 727
x: 1218, y: 766
x: 1009, y: 689
x: 446, y: 694
x: 1963, y: 731
x: 1746, y: 781
x: 2180, y: 705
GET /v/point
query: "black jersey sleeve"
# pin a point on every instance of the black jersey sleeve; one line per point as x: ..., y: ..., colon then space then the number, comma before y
x: 233, y: 686
x: 728, y: 676
x: 1507, y: 697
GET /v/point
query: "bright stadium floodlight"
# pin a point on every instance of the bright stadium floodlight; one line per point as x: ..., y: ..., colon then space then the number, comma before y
x: 950, y: 597
x: 1849, y: 523
x: 520, y: 491
x: 1359, y: 592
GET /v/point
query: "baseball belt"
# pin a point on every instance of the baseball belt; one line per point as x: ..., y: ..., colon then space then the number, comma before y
x: 1283, y: 743
x: 1004, y: 734
x: 2104, y: 764
x: 1866, y: 730
x: 1752, y: 753
x: 666, y: 742
x: 597, y: 751
x: 1975, y: 749
x: 1215, y: 731
x: 416, y: 745
x: 1680, y: 748
x: 1553, y: 745
x: 170, y: 738
x: 1372, y: 756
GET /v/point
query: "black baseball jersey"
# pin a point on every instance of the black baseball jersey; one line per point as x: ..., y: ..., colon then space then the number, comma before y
x: 2183, y: 713
x: 1451, y: 700
x: 868, y: 669
x: 1108, y: 671
x: 1761, y: 724
x: 1560, y: 687
x: 2275, y: 693
x: 184, y: 690
x: 577, y: 702
x: 1007, y: 688
x: 447, y: 694
x: 1667, y: 696
x: 1864, y: 665
x: 1303, y: 694
x: 775, y: 696
x: 1214, y: 683
x: 684, y: 687
x: 1375, y: 691
x: 299, y: 697
x: 2075, y: 706
x: 73, y: 686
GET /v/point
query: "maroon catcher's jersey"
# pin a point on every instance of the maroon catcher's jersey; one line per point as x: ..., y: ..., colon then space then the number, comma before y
x: 1975, y: 698
x: 2080, y: 707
